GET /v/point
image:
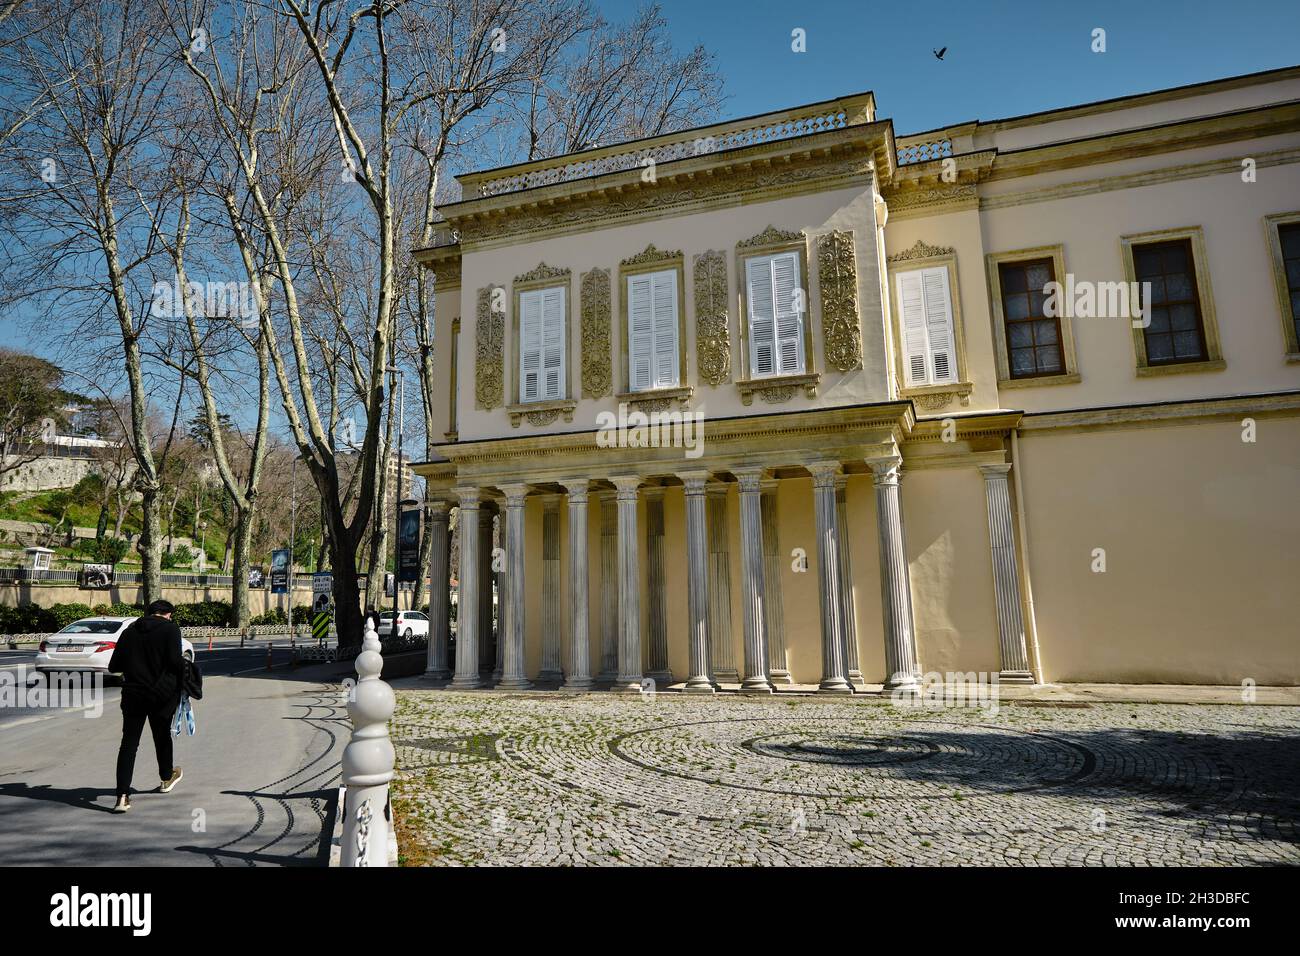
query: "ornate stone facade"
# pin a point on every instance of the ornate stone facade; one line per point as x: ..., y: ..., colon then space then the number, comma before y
x: 841, y: 326
x: 712, y: 321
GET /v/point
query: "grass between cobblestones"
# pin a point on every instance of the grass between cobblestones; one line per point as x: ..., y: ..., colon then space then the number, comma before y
x: 603, y: 779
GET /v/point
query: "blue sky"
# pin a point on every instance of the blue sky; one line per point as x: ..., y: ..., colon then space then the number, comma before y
x: 1004, y: 58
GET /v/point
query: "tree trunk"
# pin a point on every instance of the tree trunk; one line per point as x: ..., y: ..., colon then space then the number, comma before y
x: 243, y: 535
x: 147, y: 546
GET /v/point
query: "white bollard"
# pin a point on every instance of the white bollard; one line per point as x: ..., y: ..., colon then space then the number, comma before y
x: 368, y: 762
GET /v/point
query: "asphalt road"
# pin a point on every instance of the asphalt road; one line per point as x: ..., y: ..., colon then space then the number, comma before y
x: 260, y: 772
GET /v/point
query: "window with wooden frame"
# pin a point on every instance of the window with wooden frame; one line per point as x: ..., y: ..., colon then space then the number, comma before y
x: 1033, y: 348
x: 541, y: 344
x: 777, y: 315
x: 1282, y: 232
x: 1177, y: 331
x: 652, y: 325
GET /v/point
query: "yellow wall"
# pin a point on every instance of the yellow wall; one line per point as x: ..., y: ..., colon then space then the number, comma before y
x: 1202, y: 541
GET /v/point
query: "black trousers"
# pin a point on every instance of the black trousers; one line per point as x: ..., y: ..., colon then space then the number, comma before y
x: 160, y: 725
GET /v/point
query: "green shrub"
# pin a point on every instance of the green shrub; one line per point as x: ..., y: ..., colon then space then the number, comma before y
x: 25, y: 619
x: 181, y: 557
x: 64, y: 614
x: 203, y: 614
x: 103, y: 550
x: 301, y: 615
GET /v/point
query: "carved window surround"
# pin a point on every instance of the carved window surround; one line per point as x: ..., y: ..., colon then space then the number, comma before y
x: 922, y: 255
x: 658, y: 399
x: 775, y: 389
x: 768, y: 242
x: 542, y: 413
x: 543, y: 277
x: 652, y: 260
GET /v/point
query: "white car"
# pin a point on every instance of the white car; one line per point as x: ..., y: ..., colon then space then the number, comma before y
x: 409, y: 624
x: 87, y: 645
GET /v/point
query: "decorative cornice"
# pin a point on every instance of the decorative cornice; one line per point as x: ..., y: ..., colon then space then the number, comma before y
x: 921, y: 250
x: 542, y: 273
x: 651, y: 254
x: 771, y: 236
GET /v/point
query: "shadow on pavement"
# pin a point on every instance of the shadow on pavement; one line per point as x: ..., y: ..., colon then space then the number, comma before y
x: 83, y: 797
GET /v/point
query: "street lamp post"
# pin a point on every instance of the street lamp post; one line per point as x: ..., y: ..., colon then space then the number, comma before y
x: 397, y: 375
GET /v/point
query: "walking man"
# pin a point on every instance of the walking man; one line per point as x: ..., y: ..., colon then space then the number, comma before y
x: 148, y: 656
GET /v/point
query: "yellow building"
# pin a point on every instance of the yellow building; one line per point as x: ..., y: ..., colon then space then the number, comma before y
x: 792, y: 400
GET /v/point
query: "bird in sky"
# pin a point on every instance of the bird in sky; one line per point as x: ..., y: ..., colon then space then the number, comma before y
x: 938, y: 54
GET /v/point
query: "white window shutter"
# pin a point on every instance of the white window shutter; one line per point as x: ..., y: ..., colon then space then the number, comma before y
x: 640, y: 321
x: 553, y: 342
x: 530, y: 346
x: 789, y: 314
x: 911, y: 303
x: 664, y: 286
x: 762, y: 318
x: 938, y: 324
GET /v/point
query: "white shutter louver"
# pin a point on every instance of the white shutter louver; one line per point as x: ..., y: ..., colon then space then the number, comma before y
x: 929, y: 344
x: 776, y: 315
x: 789, y: 338
x: 553, y: 342
x: 762, y: 318
x: 530, y: 346
x: 652, y: 354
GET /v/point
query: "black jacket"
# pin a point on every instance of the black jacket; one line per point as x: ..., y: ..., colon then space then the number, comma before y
x: 148, y: 656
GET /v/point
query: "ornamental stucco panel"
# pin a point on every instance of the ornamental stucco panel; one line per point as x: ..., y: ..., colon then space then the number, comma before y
x: 489, y: 352
x: 712, y: 329
x: 841, y: 325
x: 597, y: 375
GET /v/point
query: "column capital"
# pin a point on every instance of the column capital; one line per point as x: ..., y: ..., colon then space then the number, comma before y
x: 886, y: 469
x: 438, y: 509
x: 694, y: 481
x: 577, y: 489
x: 841, y: 482
x: 551, y: 501
x: 993, y: 472
x: 716, y: 489
x: 467, y: 497
x: 515, y: 494
x: 768, y: 485
x: 824, y: 472
x: 654, y: 491
x: 627, y: 486
x: 750, y: 479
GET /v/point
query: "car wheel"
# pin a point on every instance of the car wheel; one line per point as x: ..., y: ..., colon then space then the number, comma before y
x: 188, y: 655
x: 407, y: 634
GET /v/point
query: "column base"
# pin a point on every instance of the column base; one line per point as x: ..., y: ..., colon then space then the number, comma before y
x: 582, y: 683
x: 903, y: 682
x: 1015, y: 677
x: 437, y: 674
x: 856, y: 679
x: 756, y: 685
x: 662, y: 677
x: 626, y: 685
x: 730, y: 677
x: 699, y: 685
x: 545, y: 677
x: 834, y: 685
x: 780, y: 677
x: 514, y: 683
x: 466, y: 683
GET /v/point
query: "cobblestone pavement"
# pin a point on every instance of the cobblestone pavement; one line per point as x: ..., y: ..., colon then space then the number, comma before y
x: 492, y: 778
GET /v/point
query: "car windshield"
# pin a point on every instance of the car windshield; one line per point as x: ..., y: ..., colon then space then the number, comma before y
x: 92, y: 627
x: 387, y: 615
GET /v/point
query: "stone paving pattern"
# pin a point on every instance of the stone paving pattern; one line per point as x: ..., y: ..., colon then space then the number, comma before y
x: 596, y: 779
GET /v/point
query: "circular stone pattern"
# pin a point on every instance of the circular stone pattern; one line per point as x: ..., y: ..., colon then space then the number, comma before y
x: 858, y: 757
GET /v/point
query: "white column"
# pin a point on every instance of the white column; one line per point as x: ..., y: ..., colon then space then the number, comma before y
x: 579, y: 676
x: 656, y: 585
x: 700, y: 680
x: 722, y: 651
x: 777, y: 670
x: 511, y: 633
x: 901, y: 668
x: 467, y: 593
x: 828, y: 563
x: 439, y: 591
x: 1006, y: 576
x: 608, y: 586
x: 751, y: 580
x: 551, y: 667
x: 629, y: 587
x: 489, y: 632
x: 849, y: 626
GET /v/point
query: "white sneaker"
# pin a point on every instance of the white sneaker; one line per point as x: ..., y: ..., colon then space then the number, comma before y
x: 171, y: 781
x: 123, y: 804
